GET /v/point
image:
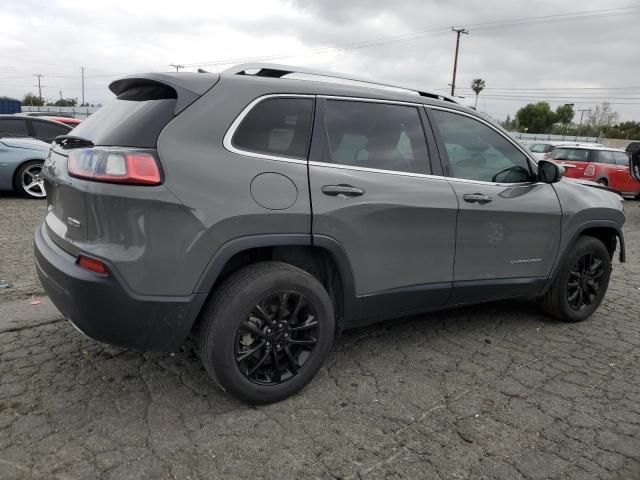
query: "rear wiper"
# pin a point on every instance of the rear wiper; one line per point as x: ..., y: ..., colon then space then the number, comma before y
x: 71, y: 141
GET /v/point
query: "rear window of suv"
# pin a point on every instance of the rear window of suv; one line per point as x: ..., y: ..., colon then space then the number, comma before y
x: 134, y: 119
x: 277, y: 126
x: 572, y: 154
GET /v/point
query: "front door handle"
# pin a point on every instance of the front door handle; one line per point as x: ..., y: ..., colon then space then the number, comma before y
x: 343, y: 191
x: 476, y: 198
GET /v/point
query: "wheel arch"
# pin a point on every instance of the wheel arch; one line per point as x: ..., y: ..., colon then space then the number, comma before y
x: 321, y: 256
x: 608, y: 232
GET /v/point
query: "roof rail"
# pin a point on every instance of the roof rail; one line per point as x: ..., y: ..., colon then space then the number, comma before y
x: 278, y: 71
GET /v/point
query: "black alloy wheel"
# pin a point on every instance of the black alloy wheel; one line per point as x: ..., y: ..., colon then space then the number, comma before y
x: 583, y: 284
x: 276, y: 338
x: 266, y: 331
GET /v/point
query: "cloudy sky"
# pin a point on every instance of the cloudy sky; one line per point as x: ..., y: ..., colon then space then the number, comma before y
x: 563, y: 56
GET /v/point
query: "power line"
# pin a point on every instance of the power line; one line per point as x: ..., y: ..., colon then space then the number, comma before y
x: 552, y: 18
x: 581, y: 15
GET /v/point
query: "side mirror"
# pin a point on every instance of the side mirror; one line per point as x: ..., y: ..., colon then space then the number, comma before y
x: 634, y: 165
x: 549, y: 172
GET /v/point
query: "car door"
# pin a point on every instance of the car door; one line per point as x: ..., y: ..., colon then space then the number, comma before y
x: 372, y: 191
x: 626, y: 182
x: 508, y: 226
x: 605, y: 168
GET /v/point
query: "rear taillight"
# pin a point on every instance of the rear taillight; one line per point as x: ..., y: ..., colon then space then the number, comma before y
x: 547, y: 155
x: 590, y: 171
x: 115, y: 165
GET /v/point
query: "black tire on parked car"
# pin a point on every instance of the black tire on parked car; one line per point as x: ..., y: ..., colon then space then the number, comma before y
x: 27, y: 181
x: 581, y: 282
x: 266, y: 332
x: 603, y: 181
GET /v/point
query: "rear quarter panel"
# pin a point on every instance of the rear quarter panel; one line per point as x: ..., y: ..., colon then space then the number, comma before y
x: 215, y: 184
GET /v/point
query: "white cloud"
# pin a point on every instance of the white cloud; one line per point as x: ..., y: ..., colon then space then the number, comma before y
x: 114, y: 38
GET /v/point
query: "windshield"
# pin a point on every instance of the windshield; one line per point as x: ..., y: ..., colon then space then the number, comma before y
x: 540, y: 147
x: 575, y: 154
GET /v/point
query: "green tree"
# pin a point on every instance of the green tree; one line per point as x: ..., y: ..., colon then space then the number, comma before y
x: 601, y: 118
x: 64, y: 102
x: 564, y: 114
x: 32, y: 100
x: 536, y: 118
x: 477, y: 85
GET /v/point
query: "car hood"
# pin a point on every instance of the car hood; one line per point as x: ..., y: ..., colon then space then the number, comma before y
x: 27, y: 143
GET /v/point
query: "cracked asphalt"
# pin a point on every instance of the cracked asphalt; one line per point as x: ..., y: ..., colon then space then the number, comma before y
x: 496, y: 391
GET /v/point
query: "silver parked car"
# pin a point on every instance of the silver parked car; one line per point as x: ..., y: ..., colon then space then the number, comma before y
x: 21, y: 162
x: 261, y: 214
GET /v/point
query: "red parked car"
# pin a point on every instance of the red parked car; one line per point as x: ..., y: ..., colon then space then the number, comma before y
x: 72, y: 122
x: 607, y: 166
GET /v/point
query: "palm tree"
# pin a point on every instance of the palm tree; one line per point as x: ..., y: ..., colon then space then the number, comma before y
x: 477, y: 85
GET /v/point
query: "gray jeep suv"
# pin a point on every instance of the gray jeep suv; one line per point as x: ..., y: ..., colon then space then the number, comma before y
x: 264, y: 209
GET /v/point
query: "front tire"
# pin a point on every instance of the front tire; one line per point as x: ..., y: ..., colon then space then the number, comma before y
x: 266, y: 332
x: 581, y: 282
x: 28, y: 181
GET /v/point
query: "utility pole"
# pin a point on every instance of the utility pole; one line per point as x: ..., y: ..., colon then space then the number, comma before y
x: 177, y: 66
x: 458, y: 31
x: 82, y: 85
x: 580, y: 127
x: 39, y: 76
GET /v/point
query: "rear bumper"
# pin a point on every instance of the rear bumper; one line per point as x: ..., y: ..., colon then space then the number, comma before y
x: 103, y: 308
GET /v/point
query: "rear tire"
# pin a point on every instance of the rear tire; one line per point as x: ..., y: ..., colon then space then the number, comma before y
x: 581, y: 283
x: 603, y: 181
x: 280, y: 313
x: 27, y: 181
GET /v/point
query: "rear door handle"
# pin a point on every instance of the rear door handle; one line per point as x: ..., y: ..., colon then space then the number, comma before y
x: 343, y: 191
x: 476, y: 198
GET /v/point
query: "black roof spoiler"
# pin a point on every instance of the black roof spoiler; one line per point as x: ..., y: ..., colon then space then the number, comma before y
x: 188, y: 86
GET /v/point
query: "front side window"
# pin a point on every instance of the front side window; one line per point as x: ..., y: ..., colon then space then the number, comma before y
x: 375, y: 135
x: 478, y: 152
x: 277, y: 126
x: 10, y: 127
x: 621, y: 158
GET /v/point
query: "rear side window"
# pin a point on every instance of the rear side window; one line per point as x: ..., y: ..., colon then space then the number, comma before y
x: 606, y: 157
x: 621, y: 158
x: 13, y: 128
x: 277, y: 126
x: 573, y: 154
x: 375, y: 135
x: 49, y: 130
